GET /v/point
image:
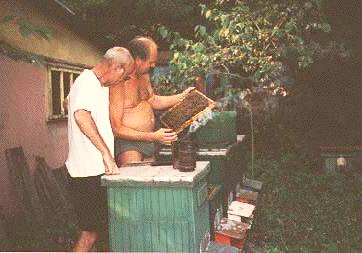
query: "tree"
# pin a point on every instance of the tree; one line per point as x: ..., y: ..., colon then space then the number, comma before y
x: 248, y: 39
x: 118, y: 21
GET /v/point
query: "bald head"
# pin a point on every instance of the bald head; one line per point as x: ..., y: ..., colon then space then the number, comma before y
x: 141, y: 47
x: 144, y: 52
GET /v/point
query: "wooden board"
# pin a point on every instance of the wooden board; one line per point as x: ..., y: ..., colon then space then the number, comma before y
x: 192, y: 107
x: 23, y: 184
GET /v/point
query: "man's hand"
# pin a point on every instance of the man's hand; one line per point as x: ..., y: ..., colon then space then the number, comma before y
x: 88, y: 127
x: 110, y: 165
x: 165, y: 136
x: 185, y: 92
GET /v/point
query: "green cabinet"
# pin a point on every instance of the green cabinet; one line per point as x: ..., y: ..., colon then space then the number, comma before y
x: 157, y: 208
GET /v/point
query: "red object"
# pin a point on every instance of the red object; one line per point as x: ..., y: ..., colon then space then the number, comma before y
x: 228, y: 240
x: 244, y: 200
x: 232, y: 233
x: 246, y: 196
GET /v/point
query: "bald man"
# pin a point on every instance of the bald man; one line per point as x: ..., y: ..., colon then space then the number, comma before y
x: 132, y: 105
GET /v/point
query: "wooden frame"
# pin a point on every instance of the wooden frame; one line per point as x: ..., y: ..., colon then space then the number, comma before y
x: 211, y: 105
x: 62, y: 69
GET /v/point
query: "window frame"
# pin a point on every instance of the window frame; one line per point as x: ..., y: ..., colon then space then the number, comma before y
x: 61, y: 67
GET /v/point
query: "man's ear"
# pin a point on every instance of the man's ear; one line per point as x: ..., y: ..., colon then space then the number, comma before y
x: 122, y: 70
x: 137, y: 62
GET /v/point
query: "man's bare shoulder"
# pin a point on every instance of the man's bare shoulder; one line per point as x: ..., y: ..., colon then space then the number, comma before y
x: 118, y: 87
x: 117, y: 90
x: 144, y: 79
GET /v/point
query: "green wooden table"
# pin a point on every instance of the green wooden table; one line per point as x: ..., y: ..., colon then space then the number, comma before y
x: 158, y: 208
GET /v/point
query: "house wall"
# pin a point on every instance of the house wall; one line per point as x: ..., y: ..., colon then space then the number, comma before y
x: 64, y: 44
x: 23, y: 93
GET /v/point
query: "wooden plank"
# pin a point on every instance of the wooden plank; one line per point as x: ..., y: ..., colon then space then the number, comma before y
x: 23, y: 184
x: 4, y: 238
x: 52, y: 190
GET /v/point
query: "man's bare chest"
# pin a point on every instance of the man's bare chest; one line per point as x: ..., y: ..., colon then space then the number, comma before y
x: 135, y: 93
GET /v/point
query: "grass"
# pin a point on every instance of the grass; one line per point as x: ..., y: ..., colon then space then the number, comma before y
x: 304, y: 211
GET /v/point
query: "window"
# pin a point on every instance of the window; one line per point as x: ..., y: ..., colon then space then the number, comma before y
x: 59, y: 82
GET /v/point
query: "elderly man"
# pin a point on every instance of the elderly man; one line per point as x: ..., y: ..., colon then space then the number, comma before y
x: 132, y: 105
x: 91, y: 141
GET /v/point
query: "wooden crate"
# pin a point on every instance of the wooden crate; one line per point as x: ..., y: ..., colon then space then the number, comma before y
x: 181, y: 115
x: 232, y: 233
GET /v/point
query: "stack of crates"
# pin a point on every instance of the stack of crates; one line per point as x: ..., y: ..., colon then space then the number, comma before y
x: 233, y: 230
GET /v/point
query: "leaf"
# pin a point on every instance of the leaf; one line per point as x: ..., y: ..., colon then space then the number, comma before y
x: 200, y: 30
x: 332, y: 248
x: 203, y: 8
x: 44, y: 32
x: 326, y: 27
x: 225, y: 20
x: 7, y: 18
x: 176, y: 55
x: 25, y: 30
x: 163, y: 32
x: 208, y: 14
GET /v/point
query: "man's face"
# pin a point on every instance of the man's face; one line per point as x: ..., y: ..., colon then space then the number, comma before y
x: 120, y: 73
x: 144, y: 66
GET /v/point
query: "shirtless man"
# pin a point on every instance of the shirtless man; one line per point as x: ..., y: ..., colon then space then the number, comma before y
x: 132, y: 105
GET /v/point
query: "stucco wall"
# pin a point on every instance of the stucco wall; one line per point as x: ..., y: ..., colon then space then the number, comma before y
x: 23, y: 92
x: 64, y: 44
x: 23, y: 120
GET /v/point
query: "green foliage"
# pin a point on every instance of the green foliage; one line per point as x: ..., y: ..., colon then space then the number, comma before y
x: 27, y: 28
x: 86, y: 4
x: 164, y: 87
x: 118, y: 21
x: 303, y: 211
x: 249, y: 39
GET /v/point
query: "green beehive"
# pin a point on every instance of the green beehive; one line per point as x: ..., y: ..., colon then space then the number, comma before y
x: 219, y: 131
x: 157, y: 208
x: 226, y: 167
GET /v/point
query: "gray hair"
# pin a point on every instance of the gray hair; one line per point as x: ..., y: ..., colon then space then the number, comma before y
x: 119, y: 55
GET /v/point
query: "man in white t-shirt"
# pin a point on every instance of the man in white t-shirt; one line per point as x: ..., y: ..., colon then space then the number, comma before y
x: 91, y: 142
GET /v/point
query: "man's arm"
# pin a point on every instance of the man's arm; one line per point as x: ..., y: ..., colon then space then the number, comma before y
x: 88, y: 127
x: 163, y: 102
x: 116, y: 107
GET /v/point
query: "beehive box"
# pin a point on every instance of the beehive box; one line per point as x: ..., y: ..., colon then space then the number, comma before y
x: 186, y: 111
x: 219, y: 131
x: 232, y: 233
x: 158, y: 209
x: 227, y: 166
x: 247, y: 196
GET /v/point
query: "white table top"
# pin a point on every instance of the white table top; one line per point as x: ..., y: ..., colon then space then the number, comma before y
x: 156, y: 174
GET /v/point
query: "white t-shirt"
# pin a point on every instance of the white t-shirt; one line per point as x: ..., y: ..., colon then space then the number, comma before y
x: 86, y: 93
